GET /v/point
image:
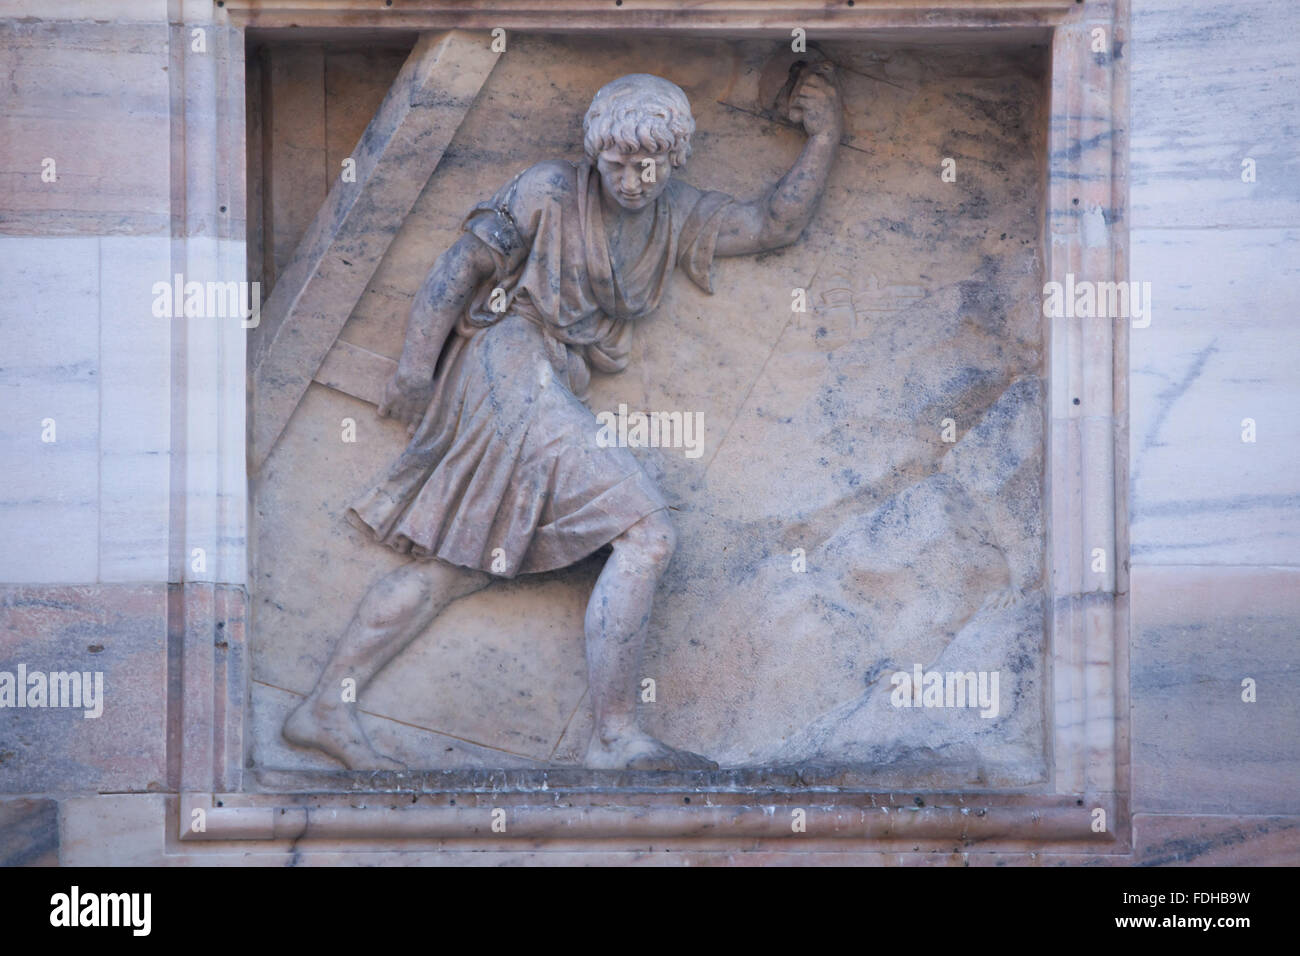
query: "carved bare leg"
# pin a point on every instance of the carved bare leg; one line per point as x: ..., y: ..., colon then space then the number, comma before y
x: 617, y: 616
x: 394, y: 611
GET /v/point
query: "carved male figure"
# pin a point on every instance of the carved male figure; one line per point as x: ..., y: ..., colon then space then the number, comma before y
x: 503, y: 474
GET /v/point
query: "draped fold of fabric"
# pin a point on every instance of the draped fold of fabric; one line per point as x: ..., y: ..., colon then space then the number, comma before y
x: 503, y: 473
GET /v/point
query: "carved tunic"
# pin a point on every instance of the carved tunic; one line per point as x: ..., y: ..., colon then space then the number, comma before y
x: 505, y: 457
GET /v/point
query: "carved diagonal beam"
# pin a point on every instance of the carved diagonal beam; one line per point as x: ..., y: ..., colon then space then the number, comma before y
x: 355, y: 371
x: 343, y: 246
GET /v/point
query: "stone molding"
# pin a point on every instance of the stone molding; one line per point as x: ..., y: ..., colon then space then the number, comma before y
x: 1085, y: 233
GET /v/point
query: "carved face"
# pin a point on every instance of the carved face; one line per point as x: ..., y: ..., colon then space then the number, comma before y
x: 633, y: 180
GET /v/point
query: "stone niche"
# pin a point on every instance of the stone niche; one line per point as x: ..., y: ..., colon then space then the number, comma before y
x: 868, y: 495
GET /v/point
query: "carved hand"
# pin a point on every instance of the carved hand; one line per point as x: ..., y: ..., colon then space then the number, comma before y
x: 818, y: 98
x: 406, y: 399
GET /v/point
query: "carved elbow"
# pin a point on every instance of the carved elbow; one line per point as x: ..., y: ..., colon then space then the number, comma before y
x: 783, y: 236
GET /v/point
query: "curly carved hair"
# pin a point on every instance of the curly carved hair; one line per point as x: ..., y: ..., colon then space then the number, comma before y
x: 639, y: 111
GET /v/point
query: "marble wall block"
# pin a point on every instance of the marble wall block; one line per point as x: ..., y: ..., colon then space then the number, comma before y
x: 119, y: 632
x: 1213, y: 516
x: 29, y: 832
x: 49, y: 434
x: 112, y: 166
x: 1198, y: 633
x: 135, y: 428
x: 87, y: 354
x: 117, y: 829
x: 1192, y: 840
x: 1220, y: 350
x: 1214, y: 84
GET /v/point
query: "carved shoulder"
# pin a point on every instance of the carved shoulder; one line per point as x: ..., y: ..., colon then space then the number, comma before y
x: 524, y: 197
x: 679, y: 190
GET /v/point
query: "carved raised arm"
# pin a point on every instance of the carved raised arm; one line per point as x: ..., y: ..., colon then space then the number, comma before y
x: 777, y: 218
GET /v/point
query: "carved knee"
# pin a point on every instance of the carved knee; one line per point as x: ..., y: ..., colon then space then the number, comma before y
x: 654, y: 539
x: 396, y: 597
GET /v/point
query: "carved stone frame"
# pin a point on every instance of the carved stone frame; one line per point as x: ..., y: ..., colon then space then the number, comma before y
x: 1084, y: 232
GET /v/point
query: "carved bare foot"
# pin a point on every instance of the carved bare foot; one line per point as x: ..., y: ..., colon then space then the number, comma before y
x: 636, y: 750
x: 336, y: 731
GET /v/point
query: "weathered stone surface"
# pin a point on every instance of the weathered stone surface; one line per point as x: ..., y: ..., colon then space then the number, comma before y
x: 1198, y: 633
x: 87, y: 389
x: 50, y: 388
x: 110, y: 167
x: 1215, y: 371
x: 294, y: 173
x: 1212, y: 87
x: 118, y: 829
x: 29, y: 832
x: 118, y: 632
x: 1166, y: 839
